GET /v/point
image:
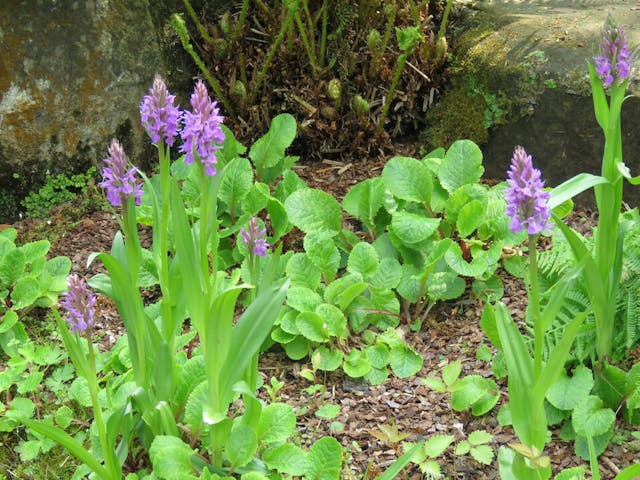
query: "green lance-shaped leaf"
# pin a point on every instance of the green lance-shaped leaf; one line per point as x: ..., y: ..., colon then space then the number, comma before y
x: 314, y: 210
x: 408, y: 179
x: 461, y: 165
x: 396, y: 467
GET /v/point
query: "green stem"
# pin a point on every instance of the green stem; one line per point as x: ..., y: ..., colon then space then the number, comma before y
x: 609, y: 201
x: 177, y: 22
x: 534, y: 302
x: 240, y: 25
x: 204, y: 237
x: 110, y: 459
x: 323, y: 38
x: 165, y: 188
x: 394, y: 83
x: 192, y: 13
x: 445, y: 19
x: 305, y: 41
x: 132, y: 241
x: 391, y: 18
x: 286, y: 24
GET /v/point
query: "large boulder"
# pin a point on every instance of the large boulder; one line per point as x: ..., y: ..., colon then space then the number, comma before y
x: 520, y: 75
x: 72, y: 75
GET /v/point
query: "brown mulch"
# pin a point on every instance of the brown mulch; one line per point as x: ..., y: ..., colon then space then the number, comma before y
x: 451, y: 332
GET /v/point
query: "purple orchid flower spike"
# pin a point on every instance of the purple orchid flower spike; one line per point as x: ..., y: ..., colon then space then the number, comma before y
x: 160, y: 117
x: 253, y: 238
x: 119, y: 182
x: 79, y: 302
x: 613, y: 65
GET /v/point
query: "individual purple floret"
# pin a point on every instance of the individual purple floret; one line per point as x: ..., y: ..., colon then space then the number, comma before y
x: 526, y: 199
x: 79, y: 302
x: 201, y: 132
x: 254, y: 238
x: 614, y: 61
x: 160, y: 117
x: 119, y: 182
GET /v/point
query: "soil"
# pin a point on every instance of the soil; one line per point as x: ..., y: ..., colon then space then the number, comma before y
x: 451, y: 332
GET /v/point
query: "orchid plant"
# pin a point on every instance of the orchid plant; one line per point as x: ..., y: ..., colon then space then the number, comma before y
x: 184, y: 262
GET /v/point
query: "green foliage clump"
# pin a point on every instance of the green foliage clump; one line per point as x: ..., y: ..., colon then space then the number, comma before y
x: 57, y: 190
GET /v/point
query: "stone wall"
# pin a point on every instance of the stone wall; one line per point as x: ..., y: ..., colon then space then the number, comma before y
x: 72, y: 74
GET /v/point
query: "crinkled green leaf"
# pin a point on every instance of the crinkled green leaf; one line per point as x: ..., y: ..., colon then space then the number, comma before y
x: 404, y: 361
x: 171, y: 458
x: 356, y: 364
x: 302, y: 272
x: 437, y: 444
x: 363, y: 259
x: 323, y: 252
x: 241, y: 445
x: 411, y: 228
x: 461, y: 165
x: 408, y: 179
x: 277, y: 423
x: 287, y: 458
x: 590, y: 418
x: 324, y: 460
x: 326, y: 359
x: 314, y: 210
x: 364, y: 200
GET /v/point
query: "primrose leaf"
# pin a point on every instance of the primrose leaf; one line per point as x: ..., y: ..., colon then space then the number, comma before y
x: 303, y: 272
x: 268, y: 150
x: 323, y: 252
x: 461, y: 165
x: 469, y: 218
x: 335, y: 322
x: 287, y: 458
x: 411, y: 228
x: 378, y: 355
x: 241, y: 445
x: 25, y: 292
x: 589, y: 418
x: 445, y: 286
x: 277, y: 423
x: 408, y: 179
x: 326, y: 359
x: 451, y: 372
x: 567, y: 392
x: 297, y: 348
x: 489, y: 289
x: 344, y: 290
x: 388, y: 274
x: 314, y: 210
x: 303, y: 299
x: 312, y: 326
x: 632, y: 387
x: 236, y: 181
x: 467, y: 391
x: 364, y: 200
x: 171, y: 458
x: 356, y: 364
x: 574, y: 473
x: 12, y: 265
x: 363, y: 259
x: 324, y: 460
x: 404, y: 361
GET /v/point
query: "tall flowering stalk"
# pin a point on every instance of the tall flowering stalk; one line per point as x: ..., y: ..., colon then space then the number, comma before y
x: 527, y: 206
x: 79, y: 304
x: 161, y: 119
x: 202, y: 135
x: 124, y: 190
x: 529, y: 378
x: 612, y: 71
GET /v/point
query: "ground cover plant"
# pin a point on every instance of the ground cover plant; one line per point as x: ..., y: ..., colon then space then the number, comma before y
x: 244, y: 258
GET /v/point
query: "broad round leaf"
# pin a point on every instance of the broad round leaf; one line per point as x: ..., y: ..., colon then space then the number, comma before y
x: 314, y: 210
x: 277, y: 423
x: 568, y: 392
x: 404, y: 361
x: 411, y: 228
x: 286, y: 458
x: 326, y: 359
x: 241, y: 445
x: 356, y: 364
x: 363, y: 259
x: 462, y: 165
x: 324, y: 460
x: 589, y: 418
x: 312, y: 327
x: 408, y: 179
